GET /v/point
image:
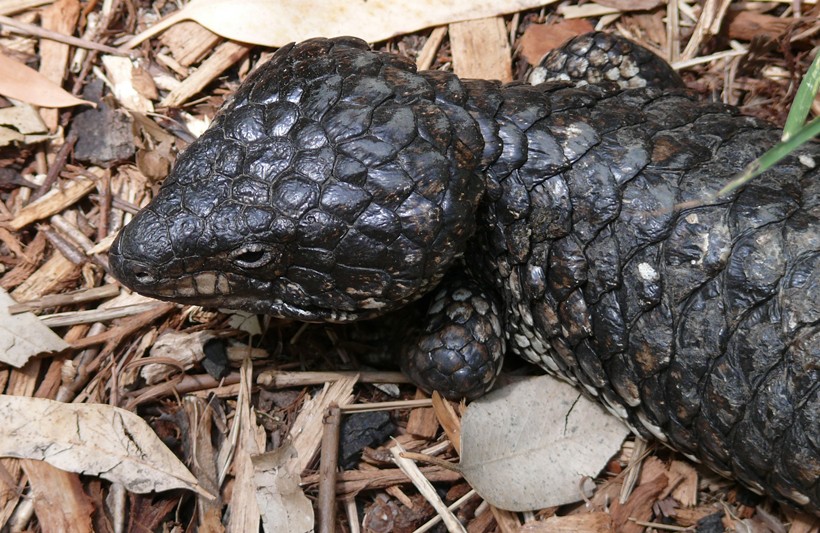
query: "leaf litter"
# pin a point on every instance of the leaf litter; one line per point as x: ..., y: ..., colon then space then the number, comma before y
x: 92, y: 439
x: 532, y: 444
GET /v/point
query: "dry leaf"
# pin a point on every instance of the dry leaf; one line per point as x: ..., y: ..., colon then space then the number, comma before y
x: 530, y: 445
x: 26, y: 84
x: 244, y: 321
x: 186, y: 349
x: 631, y: 5
x: 746, y: 25
x: 21, y: 123
x: 91, y: 439
x: 276, y: 23
x: 23, y: 336
x: 124, y: 78
x: 283, y: 504
x: 22, y: 118
x: 9, y: 136
x: 538, y: 39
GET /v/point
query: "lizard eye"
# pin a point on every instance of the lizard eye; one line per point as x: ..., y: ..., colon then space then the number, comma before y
x: 251, y: 256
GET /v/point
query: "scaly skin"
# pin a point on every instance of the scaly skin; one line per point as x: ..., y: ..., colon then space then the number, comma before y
x: 340, y: 184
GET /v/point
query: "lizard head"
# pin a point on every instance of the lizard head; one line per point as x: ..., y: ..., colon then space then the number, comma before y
x: 318, y: 193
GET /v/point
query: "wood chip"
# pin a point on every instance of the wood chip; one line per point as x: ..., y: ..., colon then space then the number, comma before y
x: 708, y: 25
x: 423, y: 422
x: 189, y: 42
x: 58, y: 497
x: 60, y: 17
x: 46, y: 279
x: 52, y: 203
x: 226, y: 55
x: 68, y: 299
x: 428, y: 53
x: 306, y: 432
x: 481, y: 50
x: 599, y: 522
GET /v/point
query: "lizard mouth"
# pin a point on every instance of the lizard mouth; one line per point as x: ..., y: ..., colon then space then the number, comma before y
x: 211, y: 288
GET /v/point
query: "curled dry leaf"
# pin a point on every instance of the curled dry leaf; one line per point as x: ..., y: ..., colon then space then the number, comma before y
x: 530, y: 445
x: 277, y: 23
x: 92, y: 439
x: 26, y: 84
x: 23, y: 335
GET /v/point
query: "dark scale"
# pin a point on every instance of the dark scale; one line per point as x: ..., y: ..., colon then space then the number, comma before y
x: 340, y: 184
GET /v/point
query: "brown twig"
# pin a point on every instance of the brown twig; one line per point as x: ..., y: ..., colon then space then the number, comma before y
x: 56, y: 166
x: 327, y: 469
x: 36, y: 31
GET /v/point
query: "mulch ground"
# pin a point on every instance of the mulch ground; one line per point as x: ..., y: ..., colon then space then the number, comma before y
x: 54, y: 238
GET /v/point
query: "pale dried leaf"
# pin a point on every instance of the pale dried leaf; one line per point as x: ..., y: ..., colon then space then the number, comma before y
x: 22, y: 118
x: 23, y: 336
x: 244, y: 321
x: 123, y: 77
x: 530, y: 445
x: 283, y: 504
x: 9, y: 136
x: 275, y: 24
x: 26, y: 84
x: 186, y: 349
x: 21, y: 123
x: 92, y: 439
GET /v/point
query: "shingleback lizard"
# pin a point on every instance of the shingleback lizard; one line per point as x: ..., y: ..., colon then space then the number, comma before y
x: 339, y: 183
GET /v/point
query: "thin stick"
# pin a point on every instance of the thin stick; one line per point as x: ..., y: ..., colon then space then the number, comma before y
x: 36, y: 31
x: 426, y: 489
x: 327, y: 469
x: 386, y: 406
x: 427, y: 526
x: 633, y: 469
x: 56, y: 167
x: 428, y: 52
x: 276, y: 379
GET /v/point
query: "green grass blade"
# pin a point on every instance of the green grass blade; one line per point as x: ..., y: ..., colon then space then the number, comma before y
x: 795, y: 132
x: 803, y: 100
x: 774, y: 155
